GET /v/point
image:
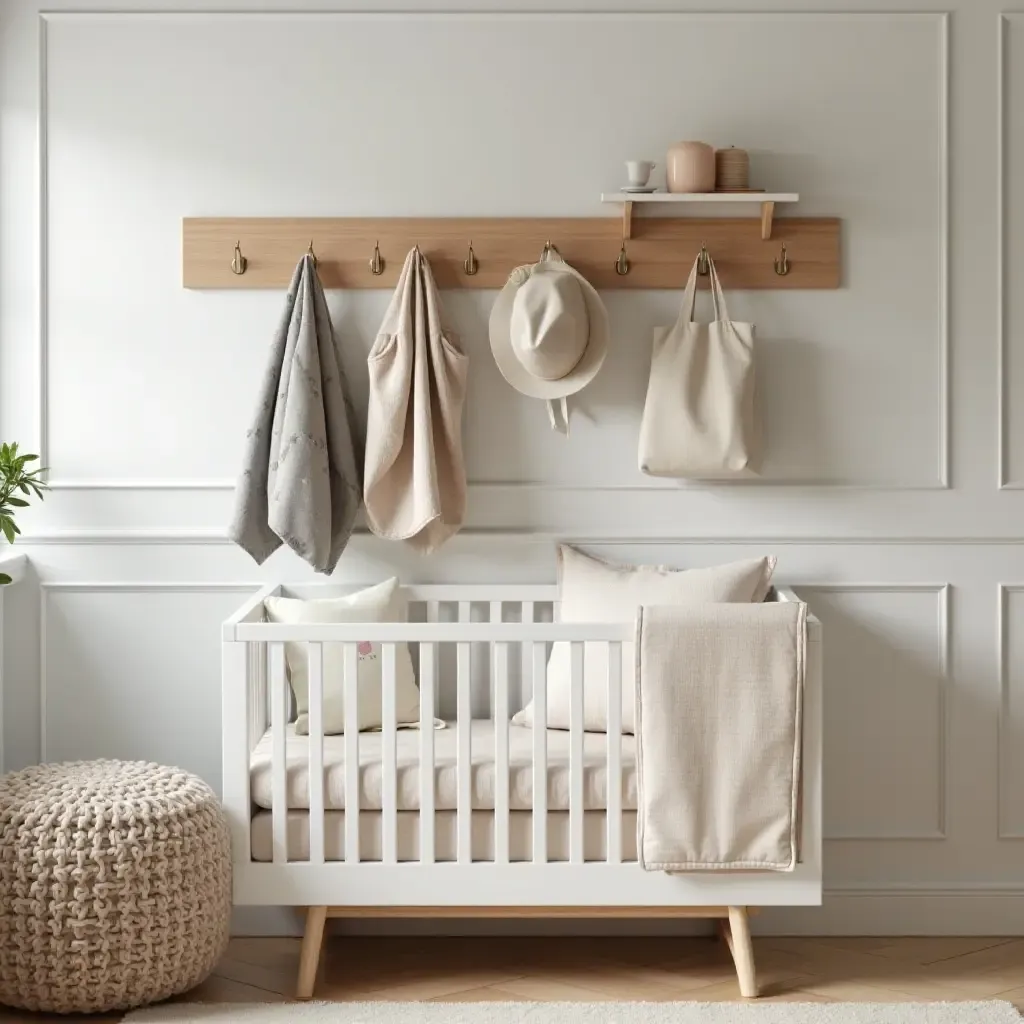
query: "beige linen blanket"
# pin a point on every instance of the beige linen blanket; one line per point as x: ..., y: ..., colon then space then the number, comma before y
x: 719, y: 698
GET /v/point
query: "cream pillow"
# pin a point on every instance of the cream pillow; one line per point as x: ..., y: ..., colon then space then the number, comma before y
x: 381, y: 603
x: 591, y: 590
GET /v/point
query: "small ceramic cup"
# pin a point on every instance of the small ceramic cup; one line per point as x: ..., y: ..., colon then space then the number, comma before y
x: 638, y: 172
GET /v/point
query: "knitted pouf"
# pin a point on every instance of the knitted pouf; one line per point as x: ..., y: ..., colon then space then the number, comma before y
x: 115, y: 885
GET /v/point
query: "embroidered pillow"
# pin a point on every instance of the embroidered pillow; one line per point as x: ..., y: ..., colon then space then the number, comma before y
x: 592, y: 590
x: 381, y: 603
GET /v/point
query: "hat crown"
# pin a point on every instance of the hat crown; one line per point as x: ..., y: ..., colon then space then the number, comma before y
x: 549, y: 325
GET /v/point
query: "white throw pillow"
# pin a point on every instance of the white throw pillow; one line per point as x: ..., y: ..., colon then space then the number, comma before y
x: 381, y: 603
x: 592, y: 590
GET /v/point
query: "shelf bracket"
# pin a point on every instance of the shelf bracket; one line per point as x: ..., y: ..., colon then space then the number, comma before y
x: 627, y: 220
x: 767, y: 213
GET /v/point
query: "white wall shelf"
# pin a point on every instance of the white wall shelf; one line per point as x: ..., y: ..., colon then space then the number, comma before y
x: 766, y: 201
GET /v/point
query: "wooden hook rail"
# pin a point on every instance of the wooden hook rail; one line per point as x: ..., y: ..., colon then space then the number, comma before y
x: 660, y: 250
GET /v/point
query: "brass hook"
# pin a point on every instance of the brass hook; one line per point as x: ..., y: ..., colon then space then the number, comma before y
x: 470, y: 264
x: 377, y: 261
x: 549, y: 248
x: 622, y: 263
x: 703, y: 261
x: 238, y: 261
x: 782, y: 263
x: 309, y: 252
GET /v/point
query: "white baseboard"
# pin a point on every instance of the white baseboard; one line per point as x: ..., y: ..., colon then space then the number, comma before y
x: 971, y: 910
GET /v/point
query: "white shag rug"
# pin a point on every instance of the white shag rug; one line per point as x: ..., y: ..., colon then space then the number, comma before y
x: 580, y: 1013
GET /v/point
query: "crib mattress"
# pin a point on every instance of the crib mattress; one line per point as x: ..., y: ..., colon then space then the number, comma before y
x: 520, y: 746
x: 520, y: 836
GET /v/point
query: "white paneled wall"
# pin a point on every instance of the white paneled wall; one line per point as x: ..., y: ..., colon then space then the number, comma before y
x: 890, y: 651
x: 892, y: 406
x: 114, y: 653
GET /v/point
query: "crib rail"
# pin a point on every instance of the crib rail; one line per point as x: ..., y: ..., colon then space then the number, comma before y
x: 445, y: 655
x: 443, y: 632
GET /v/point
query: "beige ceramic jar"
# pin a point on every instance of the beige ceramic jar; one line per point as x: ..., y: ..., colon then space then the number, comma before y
x: 690, y: 167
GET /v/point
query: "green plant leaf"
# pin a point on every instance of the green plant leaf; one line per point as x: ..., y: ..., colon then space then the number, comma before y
x: 4, y: 579
x: 16, y: 478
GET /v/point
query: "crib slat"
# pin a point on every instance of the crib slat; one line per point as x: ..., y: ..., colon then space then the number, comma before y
x: 427, y: 676
x: 351, y: 662
x: 613, y: 853
x: 526, y: 614
x: 576, y: 757
x: 315, y: 653
x: 279, y: 753
x: 496, y: 612
x: 500, y: 661
x: 258, y: 705
x: 540, y: 754
x: 434, y: 615
x: 389, y: 804
x: 464, y: 761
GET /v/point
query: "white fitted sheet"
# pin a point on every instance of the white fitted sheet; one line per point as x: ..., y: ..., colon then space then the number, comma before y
x: 595, y: 769
x: 520, y: 836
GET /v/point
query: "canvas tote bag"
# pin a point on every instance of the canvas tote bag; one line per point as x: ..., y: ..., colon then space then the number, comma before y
x: 698, y: 420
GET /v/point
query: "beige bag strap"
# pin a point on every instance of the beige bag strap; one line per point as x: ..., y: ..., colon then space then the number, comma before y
x: 553, y: 406
x: 690, y: 295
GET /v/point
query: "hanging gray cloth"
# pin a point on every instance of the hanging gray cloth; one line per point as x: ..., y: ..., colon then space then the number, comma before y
x: 301, y: 479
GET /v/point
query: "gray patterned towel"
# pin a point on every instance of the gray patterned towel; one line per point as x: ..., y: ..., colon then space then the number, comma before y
x: 301, y: 482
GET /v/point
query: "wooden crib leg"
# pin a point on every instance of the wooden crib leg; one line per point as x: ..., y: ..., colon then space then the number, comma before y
x: 736, y: 932
x: 309, y: 958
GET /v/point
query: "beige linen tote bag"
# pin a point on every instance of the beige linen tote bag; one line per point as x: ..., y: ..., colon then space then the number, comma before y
x: 698, y: 419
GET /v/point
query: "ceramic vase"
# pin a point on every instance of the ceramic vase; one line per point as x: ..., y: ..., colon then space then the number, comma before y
x: 690, y: 167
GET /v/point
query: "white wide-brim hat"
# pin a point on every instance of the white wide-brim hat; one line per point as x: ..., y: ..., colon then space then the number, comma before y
x: 549, y: 330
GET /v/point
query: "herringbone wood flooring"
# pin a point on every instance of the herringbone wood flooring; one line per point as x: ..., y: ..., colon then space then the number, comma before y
x: 588, y: 969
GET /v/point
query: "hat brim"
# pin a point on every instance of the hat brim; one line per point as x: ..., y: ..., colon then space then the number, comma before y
x: 501, y: 338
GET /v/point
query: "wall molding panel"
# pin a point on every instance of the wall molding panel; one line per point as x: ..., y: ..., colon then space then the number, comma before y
x: 941, y: 593
x: 219, y: 538
x: 1004, y: 482
x: 940, y: 20
x: 1005, y: 593
x: 48, y: 589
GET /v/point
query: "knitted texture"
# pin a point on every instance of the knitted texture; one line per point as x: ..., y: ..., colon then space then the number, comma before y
x: 115, y: 885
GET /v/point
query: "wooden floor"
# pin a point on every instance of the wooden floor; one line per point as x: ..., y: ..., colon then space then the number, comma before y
x: 478, y: 969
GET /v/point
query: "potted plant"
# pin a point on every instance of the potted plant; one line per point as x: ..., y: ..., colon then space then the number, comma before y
x: 15, y: 477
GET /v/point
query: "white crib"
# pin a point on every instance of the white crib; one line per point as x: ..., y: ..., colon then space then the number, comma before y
x: 483, y: 819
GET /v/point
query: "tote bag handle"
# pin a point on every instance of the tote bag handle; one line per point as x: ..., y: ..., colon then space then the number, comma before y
x: 690, y: 295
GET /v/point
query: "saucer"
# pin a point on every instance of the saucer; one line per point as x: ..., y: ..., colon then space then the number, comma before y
x: 639, y: 188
